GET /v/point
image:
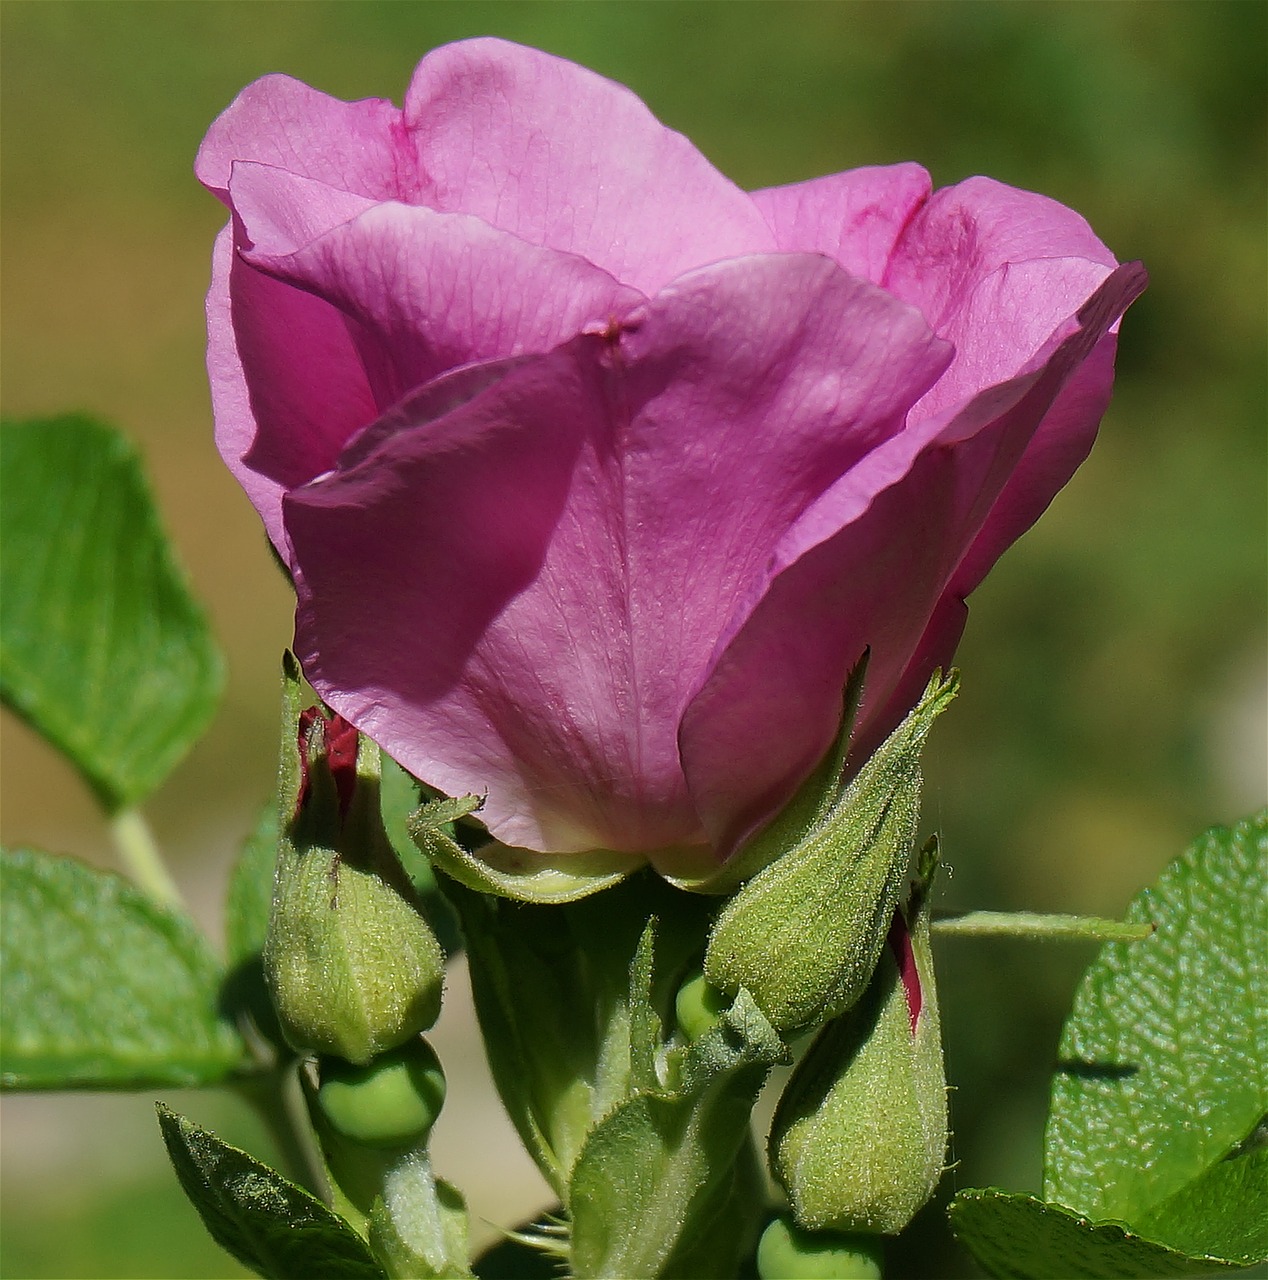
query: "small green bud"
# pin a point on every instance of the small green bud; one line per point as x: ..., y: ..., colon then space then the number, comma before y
x: 698, y: 1006
x: 804, y: 934
x: 860, y: 1133
x: 787, y: 1252
x: 353, y: 967
x: 392, y: 1102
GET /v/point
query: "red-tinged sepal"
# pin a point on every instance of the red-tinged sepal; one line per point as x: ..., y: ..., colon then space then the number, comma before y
x: 352, y: 965
x: 859, y: 1138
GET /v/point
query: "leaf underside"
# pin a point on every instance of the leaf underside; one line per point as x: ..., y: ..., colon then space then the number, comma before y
x: 102, y: 649
x: 103, y: 988
x: 269, y: 1224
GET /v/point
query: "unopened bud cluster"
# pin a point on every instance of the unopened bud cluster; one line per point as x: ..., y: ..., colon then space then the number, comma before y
x: 822, y: 940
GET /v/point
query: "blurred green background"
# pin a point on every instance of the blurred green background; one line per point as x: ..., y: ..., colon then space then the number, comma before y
x: 1114, y: 674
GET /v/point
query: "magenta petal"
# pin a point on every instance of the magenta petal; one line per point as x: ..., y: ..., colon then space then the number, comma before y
x: 854, y: 217
x: 520, y: 596
x: 965, y: 233
x: 1064, y: 439
x: 281, y: 212
x: 282, y: 122
x: 287, y: 386
x: 440, y: 607
x: 994, y: 270
x: 871, y: 564
x: 564, y: 158
x: 424, y: 291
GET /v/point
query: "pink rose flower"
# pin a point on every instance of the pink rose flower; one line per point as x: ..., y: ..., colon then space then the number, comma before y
x: 596, y: 474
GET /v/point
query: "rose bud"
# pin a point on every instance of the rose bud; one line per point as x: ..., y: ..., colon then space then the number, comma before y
x: 353, y: 967
x: 393, y: 1101
x: 804, y: 934
x: 788, y: 1252
x: 860, y: 1133
x: 698, y: 1005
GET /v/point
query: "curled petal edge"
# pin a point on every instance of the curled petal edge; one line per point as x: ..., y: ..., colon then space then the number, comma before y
x: 500, y: 870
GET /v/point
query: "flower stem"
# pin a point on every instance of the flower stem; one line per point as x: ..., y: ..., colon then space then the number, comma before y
x: 141, y: 857
x: 1033, y: 924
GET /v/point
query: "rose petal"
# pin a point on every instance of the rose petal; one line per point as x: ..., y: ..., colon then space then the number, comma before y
x: 521, y: 595
x: 425, y: 291
x: 564, y: 158
x: 965, y: 233
x: 854, y: 217
x: 868, y: 565
x: 995, y: 270
x: 282, y: 122
x: 1063, y: 441
x: 280, y: 212
x: 287, y: 387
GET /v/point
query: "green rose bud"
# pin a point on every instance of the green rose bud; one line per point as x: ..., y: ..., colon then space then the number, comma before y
x: 860, y: 1133
x: 786, y: 1252
x: 353, y: 967
x: 392, y: 1102
x: 698, y: 1006
x: 804, y: 934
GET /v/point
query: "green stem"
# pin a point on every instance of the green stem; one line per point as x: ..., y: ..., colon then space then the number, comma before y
x: 1033, y: 924
x: 274, y: 1097
x: 141, y: 857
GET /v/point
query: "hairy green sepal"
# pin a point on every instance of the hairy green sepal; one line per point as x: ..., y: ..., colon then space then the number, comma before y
x: 804, y: 934
x: 859, y: 1138
x: 352, y: 964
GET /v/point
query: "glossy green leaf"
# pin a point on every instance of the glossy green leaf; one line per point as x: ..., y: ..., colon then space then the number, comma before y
x: 102, y: 649
x: 103, y: 988
x: 1017, y: 1237
x: 269, y: 1224
x: 1223, y: 1211
x: 1164, y: 1059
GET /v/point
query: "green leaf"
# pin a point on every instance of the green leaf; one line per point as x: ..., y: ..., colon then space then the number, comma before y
x: 1164, y: 1059
x: 103, y: 988
x: 724, y: 1231
x: 269, y: 1224
x: 503, y: 871
x: 102, y: 648
x: 1223, y: 1211
x: 1020, y: 1238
